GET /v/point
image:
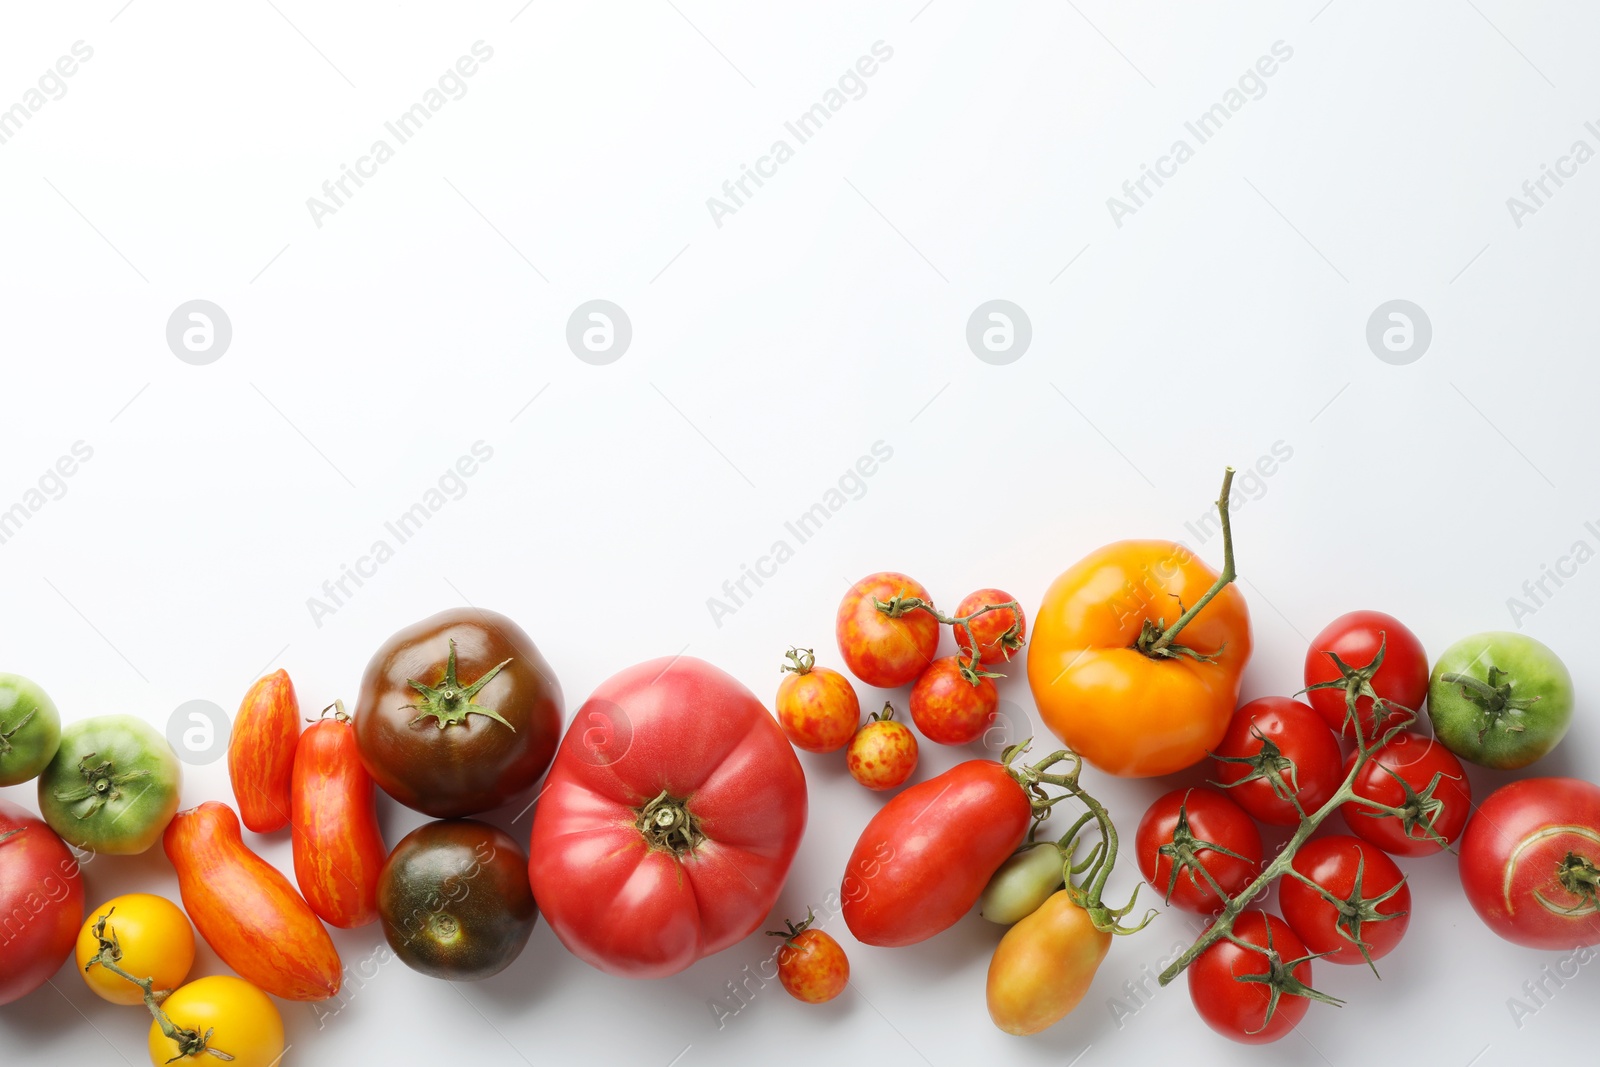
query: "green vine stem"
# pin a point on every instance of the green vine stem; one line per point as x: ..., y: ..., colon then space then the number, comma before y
x: 972, y: 666
x: 1085, y: 879
x: 1156, y: 642
x: 189, y: 1042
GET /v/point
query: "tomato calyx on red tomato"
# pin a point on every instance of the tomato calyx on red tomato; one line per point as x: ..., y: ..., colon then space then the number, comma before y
x: 450, y: 702
x: 667, y: 824
x: 1184, y: 851
x: 1280, y: 978
x: 1419, y: 810
x: 1269, y: 765
x: 1356, y: 683
x: 189, y: 1042
x: 1579, y: 876
x: 1357, y: 908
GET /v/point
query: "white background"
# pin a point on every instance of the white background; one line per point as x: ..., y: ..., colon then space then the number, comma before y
x: 829, y: 312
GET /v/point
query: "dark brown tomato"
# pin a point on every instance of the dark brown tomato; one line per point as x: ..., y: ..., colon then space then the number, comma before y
x: 458, y: 713
x: 454, y: 900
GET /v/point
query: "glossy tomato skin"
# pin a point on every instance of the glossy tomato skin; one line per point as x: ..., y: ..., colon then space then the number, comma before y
x: 30, y: 729
x: 41, y: 901
x: 1211, y: 817
x: 1512, y: 856
x: 883, y: 651
x: 1355, y: 637
x: 455, y: 900
x: 818, y: 709
x: 261, y: 752
x: 1333, y: 862
x: 999, y: 634
x: 448, y: 769
x: 948, y: 709
x: 1044, y: 965
x: 1238, y: 1010
x: 243, y: 1021
x: 812, y: 967
x: 154, y: 937
x: 338, y: 849
x: 1301, y: 736
x: 882, y: 755
x: 112, y: 786
x: 246, y: 910
x: 1415, y: 759
x: 1127, y: 713
x: 692, y: 741
x: 926, y: 856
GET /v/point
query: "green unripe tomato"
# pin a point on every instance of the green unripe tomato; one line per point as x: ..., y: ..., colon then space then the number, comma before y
x: 112, y: 786
x: 30, y: 729
x: 1500, y: 699
x: 1024, y: 882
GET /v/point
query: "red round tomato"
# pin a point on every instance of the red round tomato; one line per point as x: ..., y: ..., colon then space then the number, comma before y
x: 1277, y: 749
x: 1356, y: 640
x: 1530, y: 862
x: 817, y: 707
x: 949, y: 709
x: 1245, y: 1011
x: 41, y: 901
x: 1189, y: 833
x: 1376, y: 902
x: 669, y: 840
x: 924, y: 859
x: 998, y: 633
x: 1423, y: 780
x: 883, y: 753
x: 885, y: 641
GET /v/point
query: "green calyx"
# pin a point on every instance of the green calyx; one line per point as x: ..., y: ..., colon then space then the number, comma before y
x: 1493, y: 696
x: 1579, y: 876
x: 1279, y: 977
x: 1184, y: 851
x: 101, y: 785
x: 1269, y: 765
x: 801, y: 660
x: 668, y: 824
x: 795, y: 929
x: 5, y: 734
x: 1357, y: 908
x: 449, y: 703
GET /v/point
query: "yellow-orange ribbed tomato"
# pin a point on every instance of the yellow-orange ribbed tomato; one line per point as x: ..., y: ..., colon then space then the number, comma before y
x: 1127, y: 712
x: 155, y: 941
x: 1043, y: 966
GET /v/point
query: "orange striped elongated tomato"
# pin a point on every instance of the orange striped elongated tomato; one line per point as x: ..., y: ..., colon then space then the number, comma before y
x: 261, y: 752
x: 338, y: 851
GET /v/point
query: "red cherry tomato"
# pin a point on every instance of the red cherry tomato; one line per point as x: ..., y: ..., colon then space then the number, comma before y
x: 1356, y: 638
x: 1277, y: 748
x: 1171, y: 834
x: 1375, y: 915
x: 998, y: 633
x: 947, y: 708
x: 883, y: 753
x: 1239, y: 1009
x: 1530, y: 860
x: 1417, y: 774
x: 811, y: 965
x: 817, y: 707
x: 880, y: 649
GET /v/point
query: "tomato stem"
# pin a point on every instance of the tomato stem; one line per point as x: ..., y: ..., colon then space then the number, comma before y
x: 972, y: 669
x: 801, y: 660
x: 1158, y: 647
x: 190, y: 1042
x: 5, y: 734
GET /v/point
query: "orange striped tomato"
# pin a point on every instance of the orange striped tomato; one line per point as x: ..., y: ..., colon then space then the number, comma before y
x: 261, y: 752
x: 338, y: 851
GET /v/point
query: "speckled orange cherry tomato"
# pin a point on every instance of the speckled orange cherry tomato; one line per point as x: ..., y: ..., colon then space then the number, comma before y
x: 883, y: 753
x: 999, y: 633
x: 947, y: 707
x: 811, y: 965
x: 887, y: 645
x: 817, y: 707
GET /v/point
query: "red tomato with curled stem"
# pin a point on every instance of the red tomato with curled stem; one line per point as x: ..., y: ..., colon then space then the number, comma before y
x: 817, y: 707
x: 261, y: 752
x: 811, y: 965
x: 1530, y: 863
x: 925, y: 857
x: 338, y: 849
x: 883, y: 753
x: 951, y: 705
x: 1372, y: 657
x: 1425, y: 784
x: 1257, y: 991
x: 997, y: 633
x: 1192, y: 838
x: 1278, y: 761
x: 1346, y: 900
x: 885, y: 638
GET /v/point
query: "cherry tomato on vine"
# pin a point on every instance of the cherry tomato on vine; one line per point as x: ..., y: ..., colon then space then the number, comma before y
x: 883, y: 753
x: 153, y: 939
x: 1376, y: 900
x: 1277, y: 748
x: 880, y: 647
x: 1190, y: 829
x: 1253, y: 1012
x: 1419, y: 776
x: 1356, y: 638
x: 947, y: 707
x: 811, y: 965
x: 999, y: 633
x: 817, y: 707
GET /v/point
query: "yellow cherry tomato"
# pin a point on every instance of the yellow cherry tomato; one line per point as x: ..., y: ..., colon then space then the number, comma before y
x: 153, y: 940
x: 1043, y: 966
x: 243, y: 1021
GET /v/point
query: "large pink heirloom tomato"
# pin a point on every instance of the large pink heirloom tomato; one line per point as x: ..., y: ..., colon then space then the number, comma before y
x: 668, y: 822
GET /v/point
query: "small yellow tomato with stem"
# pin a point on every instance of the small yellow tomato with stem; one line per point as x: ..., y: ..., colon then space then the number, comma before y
x: 229, y: 1015
x: 883, y: 753
x: 146, y: 935
x: 1043, y: 966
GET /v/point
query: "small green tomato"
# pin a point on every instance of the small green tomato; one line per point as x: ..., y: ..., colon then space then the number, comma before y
x: 1500, y: 700
x: 1024, y: 882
